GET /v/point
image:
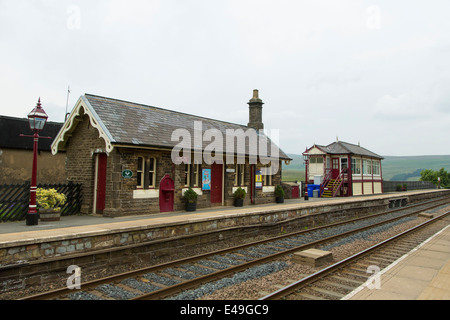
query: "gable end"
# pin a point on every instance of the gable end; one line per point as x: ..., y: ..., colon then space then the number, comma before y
x: 81, y: 108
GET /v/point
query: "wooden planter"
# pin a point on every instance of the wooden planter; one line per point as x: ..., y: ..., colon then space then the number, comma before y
x: 49, y: 215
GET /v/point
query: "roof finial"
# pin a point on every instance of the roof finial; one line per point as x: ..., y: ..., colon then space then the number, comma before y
x: 337, y: 138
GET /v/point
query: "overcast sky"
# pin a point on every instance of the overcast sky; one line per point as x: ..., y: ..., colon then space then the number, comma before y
x: 374, y: 72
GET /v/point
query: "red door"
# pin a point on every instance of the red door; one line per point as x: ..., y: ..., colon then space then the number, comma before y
x: 166, y: 194
x: 295, y: 192
x: 101, y: 182
x: 334, y: 168
x: 216, y: 183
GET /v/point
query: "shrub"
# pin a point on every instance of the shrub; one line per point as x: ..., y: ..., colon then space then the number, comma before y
x: 279, y: 192
x: 239, y: 193
x: 50, y: 199
x: 190, y: 195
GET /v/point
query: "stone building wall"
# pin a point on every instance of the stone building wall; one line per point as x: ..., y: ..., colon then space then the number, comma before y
x: 123, y: 197
x: 80, y: 162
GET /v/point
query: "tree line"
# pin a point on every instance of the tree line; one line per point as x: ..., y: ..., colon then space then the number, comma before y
x: 434, y: 175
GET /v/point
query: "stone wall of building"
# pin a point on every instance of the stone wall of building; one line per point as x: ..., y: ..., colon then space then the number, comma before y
x: 123, y: 196
x: 81, y: 149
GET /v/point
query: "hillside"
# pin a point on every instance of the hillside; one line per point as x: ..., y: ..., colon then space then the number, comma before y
x: 409, y: 168
x: 295, y: 171
x: 394, y: 168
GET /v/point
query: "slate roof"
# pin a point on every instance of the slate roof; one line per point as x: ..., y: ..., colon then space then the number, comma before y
x: 341, y: 147
x: 134, y: 124
x: 12, y: 128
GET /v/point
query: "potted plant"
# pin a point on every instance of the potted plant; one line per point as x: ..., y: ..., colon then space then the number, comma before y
x: 279, y: 194
x: 399, y: 187
x: 49, y: 202
x: 239, y: 196
x: 191, y: 199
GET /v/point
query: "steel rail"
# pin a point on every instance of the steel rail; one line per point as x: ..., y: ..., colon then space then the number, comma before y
x: 220, y: 274
x: 283, y: 292
x: 158, y: 294
x: 137, y: 245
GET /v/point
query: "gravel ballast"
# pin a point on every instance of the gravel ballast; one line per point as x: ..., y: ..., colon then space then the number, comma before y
x: 252, y: 273
x: 245, y: 288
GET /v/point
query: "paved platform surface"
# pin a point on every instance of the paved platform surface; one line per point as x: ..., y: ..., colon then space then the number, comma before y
x: 12, y: 231
x: 422, y: 274
x: 78, y: 224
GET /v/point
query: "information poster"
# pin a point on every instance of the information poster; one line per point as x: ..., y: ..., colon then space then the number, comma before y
x: 206, y: 179
x: 258, y: 180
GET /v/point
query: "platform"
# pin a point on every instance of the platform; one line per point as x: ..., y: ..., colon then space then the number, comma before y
x: 82, y: 235
x: 422, y: 274
x: 18, y: 231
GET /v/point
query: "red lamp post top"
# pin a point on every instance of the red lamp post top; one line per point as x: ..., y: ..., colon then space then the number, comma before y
x: 37, y: 117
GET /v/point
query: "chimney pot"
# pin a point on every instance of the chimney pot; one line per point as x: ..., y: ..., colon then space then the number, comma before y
x: 255, y: 108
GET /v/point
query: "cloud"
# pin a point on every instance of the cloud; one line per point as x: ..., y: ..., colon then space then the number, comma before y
x: 412, y: 45
x: 323, y: 67
x: 139, y: 13
x: 401, y: 107
x: 335, y: 78
x: 440, y: 95
x: 270, y: 29
x: 423, y: 102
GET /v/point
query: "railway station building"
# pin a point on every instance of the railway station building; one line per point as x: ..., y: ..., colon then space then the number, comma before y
x: 343, y: 169
x: 123, y: 155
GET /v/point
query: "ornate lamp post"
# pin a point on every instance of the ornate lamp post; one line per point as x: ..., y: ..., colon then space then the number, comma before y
x: 306, y: 160
x: 37, y: 119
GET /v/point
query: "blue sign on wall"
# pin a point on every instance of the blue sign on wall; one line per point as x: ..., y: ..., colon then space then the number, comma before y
x: 206, y: 179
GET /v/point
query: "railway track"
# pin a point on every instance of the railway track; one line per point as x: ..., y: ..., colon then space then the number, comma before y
x: 339, y: 280
x: 168, y: 279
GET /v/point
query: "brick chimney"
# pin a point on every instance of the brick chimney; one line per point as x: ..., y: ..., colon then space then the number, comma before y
x: 255, y: 108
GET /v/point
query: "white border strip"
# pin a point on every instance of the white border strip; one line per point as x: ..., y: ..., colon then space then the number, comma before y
x: 364, y: 285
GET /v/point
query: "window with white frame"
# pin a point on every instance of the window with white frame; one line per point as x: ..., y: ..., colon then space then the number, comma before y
x: 376, y: 167
x: 316, y: 160
x: 146, y: 173
x: 356, y: 166
x: 239, y: 175
x: 267, y: 176
x: 152, y: 173
x: 140, y: 173
x: 344, y: 163
x: 195, y: 175
x: 367, y: 166
x: 192, y: 175
x: 187, y: 175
